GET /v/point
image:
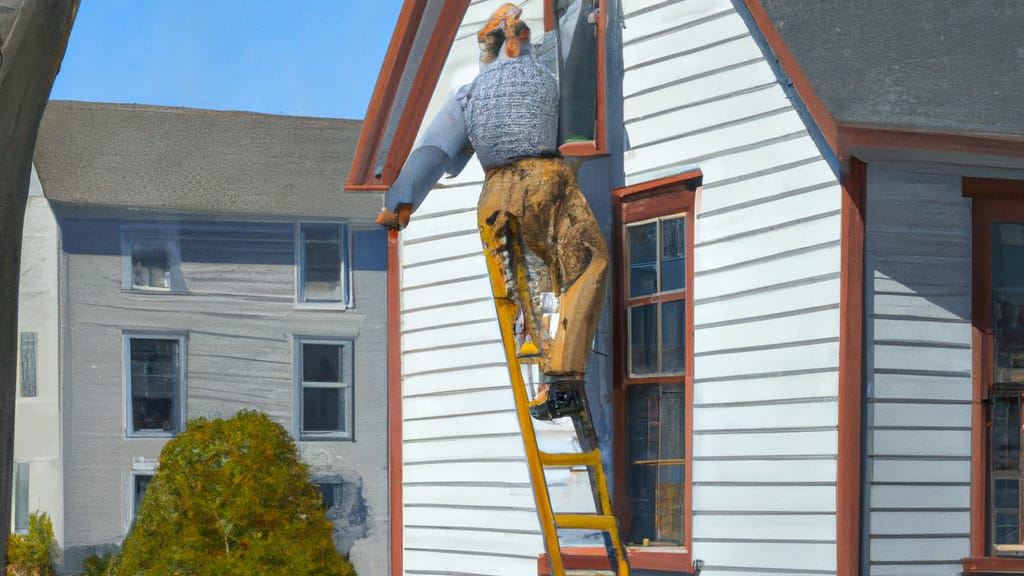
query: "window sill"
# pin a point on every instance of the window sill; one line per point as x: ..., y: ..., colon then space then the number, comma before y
x: 991, y: 566
x: 143, y: 435
x: 581, y: 149
x: 659, y: 559
x: 161, y: 291
x: 314, y: 306
x: 327, y: 437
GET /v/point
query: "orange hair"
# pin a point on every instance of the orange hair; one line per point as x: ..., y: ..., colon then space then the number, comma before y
x: 504, y: 25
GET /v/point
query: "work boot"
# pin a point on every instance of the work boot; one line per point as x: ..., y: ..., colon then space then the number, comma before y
x: 557, y: 399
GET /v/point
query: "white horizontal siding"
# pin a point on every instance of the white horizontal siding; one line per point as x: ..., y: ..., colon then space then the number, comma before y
x: 817, y: 356
x: 418, y: 560
x: 785, y: 388
x: 776, y: 556
x: 765, y: 416
x: 917, y: 253
x: 811, y: 325
x: 518, y: 520
x: 793, y: 296
x: 898, y: 470
x: 765, y: 527
x: 454, y: 381
x: 699, y: 92
x: 761, y: 443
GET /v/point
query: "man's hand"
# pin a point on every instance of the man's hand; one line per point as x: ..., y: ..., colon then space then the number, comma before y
x: 395, y: 221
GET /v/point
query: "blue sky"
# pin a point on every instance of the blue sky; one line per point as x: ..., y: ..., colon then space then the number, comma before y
x: 306, y: 58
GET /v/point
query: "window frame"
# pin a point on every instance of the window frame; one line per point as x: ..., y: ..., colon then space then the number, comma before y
x: 992, y: 201
x: 158, y: 235
x: 135, y: 491
x: 179, y: 397
x: 664, y: 197
x: 599, y: 145
x: 345, y: 268
x: 348, y: 388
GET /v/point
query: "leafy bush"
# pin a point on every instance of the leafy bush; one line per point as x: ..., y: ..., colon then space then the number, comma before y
x: 231, y: 497
x: 30, y: 554
x: 96, y: 565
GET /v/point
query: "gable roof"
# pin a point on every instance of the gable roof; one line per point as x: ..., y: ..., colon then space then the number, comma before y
x: 197, y: 161
x: 941, y: 66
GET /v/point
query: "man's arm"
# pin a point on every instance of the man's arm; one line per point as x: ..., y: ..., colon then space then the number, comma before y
x: 443, y: 149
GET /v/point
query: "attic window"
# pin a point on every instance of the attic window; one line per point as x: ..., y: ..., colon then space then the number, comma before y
x: 581, y: 35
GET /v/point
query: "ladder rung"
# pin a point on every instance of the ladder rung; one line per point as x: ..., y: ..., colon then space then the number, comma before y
x: 592, y: 458
x: 587, y: 522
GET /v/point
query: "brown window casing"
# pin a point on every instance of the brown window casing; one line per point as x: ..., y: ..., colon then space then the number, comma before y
x: 993, y: 201
x: 664, y: 197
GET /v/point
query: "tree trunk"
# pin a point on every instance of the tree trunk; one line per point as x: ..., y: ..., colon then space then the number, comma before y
x: 33, y: 36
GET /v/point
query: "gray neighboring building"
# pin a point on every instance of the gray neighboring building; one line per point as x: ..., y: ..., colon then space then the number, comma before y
x: 210, y: 262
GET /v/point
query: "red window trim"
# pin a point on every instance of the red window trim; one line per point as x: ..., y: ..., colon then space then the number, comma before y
x: 361, y: 177
x: 596, y: 558
x: 993, y: 200
x: 664, y: 196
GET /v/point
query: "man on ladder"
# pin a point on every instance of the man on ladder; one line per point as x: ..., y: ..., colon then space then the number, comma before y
x: 530, y: 205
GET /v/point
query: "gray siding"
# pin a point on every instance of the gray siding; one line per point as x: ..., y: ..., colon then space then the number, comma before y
x: 699, y: 93
x: 239, y: 318
x: 918, y: 363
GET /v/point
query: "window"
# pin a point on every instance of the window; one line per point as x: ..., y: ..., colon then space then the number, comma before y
x: 155, y: 376
x: 653, y: 354
x: 324, y: 403
x: 140, y: 483
x: 322, y: 249
x: 28, y: 364
x: 580, y: 25
x: 150, y: 260
x: 997, y: 317
x: 21, y: 485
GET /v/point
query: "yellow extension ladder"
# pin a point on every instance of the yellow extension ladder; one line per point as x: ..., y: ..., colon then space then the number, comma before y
x: 508, y: 310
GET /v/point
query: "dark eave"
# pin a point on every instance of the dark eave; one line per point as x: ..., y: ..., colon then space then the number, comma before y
x: 412, y: 66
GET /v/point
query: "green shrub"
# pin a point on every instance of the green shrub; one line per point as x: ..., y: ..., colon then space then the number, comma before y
x: 30, y: 554
x: 231, y: 497
x: 95, y: 565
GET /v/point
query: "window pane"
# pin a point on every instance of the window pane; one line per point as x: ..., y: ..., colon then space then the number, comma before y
x: 28, y: 364
x: 323, y: 409
x: 141, y: 485
x: 578, y: 74
x: 1006, y: 432
x: 322, y: 363
x: 673, y: 254
x: 643, y: 259
x: 643, y: 340
x: 321, y: 267
x: 154, y: 384
x: 327, y: 492
x: 673, y: 337
x: 150, y: 266
x: 1008, y: 301
x: 21, y: 484
x: 655, y: 474
x: 1007, y: 511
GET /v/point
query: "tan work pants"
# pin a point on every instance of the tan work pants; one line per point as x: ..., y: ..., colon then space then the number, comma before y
x: 555, y: 222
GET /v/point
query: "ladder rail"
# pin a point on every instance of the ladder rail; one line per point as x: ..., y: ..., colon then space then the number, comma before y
x: 507, y: 311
